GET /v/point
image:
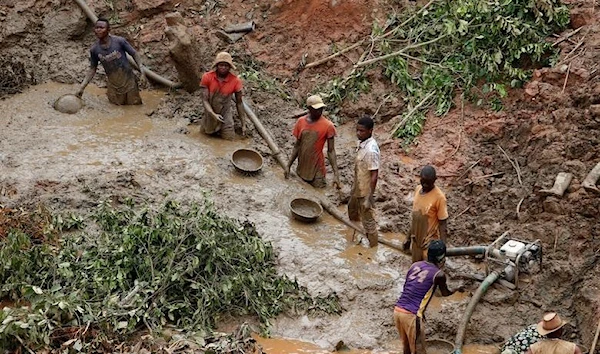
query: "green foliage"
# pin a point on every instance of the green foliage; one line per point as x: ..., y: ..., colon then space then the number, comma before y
x: 181, y: 266
x: 339, y: 89
x: 471, y: 42
x: 251, y: 72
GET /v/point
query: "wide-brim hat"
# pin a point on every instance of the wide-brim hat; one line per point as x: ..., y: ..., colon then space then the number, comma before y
x: 224, y: 57
x: 315, y: 101
x: 550, y: 322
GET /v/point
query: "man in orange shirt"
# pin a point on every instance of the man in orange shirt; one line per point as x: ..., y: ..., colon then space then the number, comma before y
x: 217, y: 88
x: 311, y: 132
x: 429, y: 215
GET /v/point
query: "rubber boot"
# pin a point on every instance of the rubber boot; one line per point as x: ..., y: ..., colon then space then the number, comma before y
x: 589, y: 183
x: 561, y: 183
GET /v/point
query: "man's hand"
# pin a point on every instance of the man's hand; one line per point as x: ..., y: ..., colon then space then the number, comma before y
x: 367, y: 203
x: 286, y: 173
x: 79, y: 93
x: 336, y: 183
x: 244, y: 130
x: 143, y: 81
x: 219, y: 118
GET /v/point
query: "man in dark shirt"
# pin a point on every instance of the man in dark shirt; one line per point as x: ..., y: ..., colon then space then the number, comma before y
x: 112, y: 51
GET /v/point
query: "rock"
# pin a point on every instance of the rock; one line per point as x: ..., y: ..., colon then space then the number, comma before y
x: 595, y: 110
x: 551, y: 205
x: 68, y: 104
x: 148, y: 7
x: 64, y: 23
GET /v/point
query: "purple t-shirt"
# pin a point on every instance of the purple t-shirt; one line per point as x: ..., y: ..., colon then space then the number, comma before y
x: 418, y: 287
x: 113, y: 58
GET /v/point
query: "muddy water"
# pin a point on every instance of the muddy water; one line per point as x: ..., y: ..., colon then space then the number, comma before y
x: 105, y: 150
x: 292, y: 346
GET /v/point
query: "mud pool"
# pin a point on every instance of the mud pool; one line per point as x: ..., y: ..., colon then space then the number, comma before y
x: 104, y: 151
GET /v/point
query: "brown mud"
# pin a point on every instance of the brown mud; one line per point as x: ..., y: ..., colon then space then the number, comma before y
x: 151, y: 153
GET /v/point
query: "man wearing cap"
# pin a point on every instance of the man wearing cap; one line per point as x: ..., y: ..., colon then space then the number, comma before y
x: 541, y: 338
x: 111, y: 51
x: 311, y: 132
x: 217, y: 87
x: 366, y: 173
x: 429, y: 215
x: 422, y: 279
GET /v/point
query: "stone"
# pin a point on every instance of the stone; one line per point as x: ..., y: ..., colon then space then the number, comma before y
x: 147, y: 6
x: 64, y: 23
x: 595, y: 110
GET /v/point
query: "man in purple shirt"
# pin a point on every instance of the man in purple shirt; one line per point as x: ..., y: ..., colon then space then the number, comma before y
x: 422, y: 279
x: 112, y: 52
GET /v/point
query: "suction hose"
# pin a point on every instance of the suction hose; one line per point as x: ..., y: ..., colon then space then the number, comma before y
x: 149, y: 73
x: 465, y: 251
x: 462, y: 328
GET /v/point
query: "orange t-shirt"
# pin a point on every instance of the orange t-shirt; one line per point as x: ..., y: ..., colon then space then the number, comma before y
x: 428, y: 210
x: 229, y: 86
x: 312, y: 137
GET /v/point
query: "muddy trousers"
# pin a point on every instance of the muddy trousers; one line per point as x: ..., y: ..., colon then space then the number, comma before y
x: 411, y: 331
x: 357, y: 211
x: 418, y: 252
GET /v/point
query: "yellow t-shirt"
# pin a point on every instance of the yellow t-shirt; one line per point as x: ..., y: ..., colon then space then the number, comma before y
x: 428, y: 210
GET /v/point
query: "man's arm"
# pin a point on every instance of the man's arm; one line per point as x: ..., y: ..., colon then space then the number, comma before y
x: 577, y: 350
x: 88, y: 77
x: 206, y: 104
x: 333, y: 161
x: 443, y: 229
x: 440, y: 282
x: 372, y: 186
x: 138, y: 60
x: 240, y: 109
x: 293, y: 158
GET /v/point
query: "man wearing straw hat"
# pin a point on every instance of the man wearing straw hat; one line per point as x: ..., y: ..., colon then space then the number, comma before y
x: 217, y: 87
x: 542, y: 337
x: 311, y: 132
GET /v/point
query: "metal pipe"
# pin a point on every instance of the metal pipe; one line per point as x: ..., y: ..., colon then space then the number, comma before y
x: 241, y: 27
x: 462, y: 328
x: 149, y: 73
x: 465, y: 251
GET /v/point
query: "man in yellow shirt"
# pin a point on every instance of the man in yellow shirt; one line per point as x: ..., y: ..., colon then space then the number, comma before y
x: 429, y: 215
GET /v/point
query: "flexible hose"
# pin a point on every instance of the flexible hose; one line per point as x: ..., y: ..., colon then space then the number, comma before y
x: 465, y: 251
x: 462, y: 328
x: 149, y: 73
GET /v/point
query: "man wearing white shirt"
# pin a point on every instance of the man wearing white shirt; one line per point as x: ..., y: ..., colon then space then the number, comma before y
x: 366, y: 172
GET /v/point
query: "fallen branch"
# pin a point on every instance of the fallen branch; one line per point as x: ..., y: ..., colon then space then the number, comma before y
x: 469, y: 169
x: 462, y: 212
x: 562, y: 39
x: 566, y: 78
x: 478, y: 178
x: 462, y: 122
x: 412, y: 111
x: 359, y: 43
x: 593, y: 349
x: 400, y: 52
x: 519, y: 206
x: 334, y: 55
x: 579, y: 44
x: 514, y: 165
